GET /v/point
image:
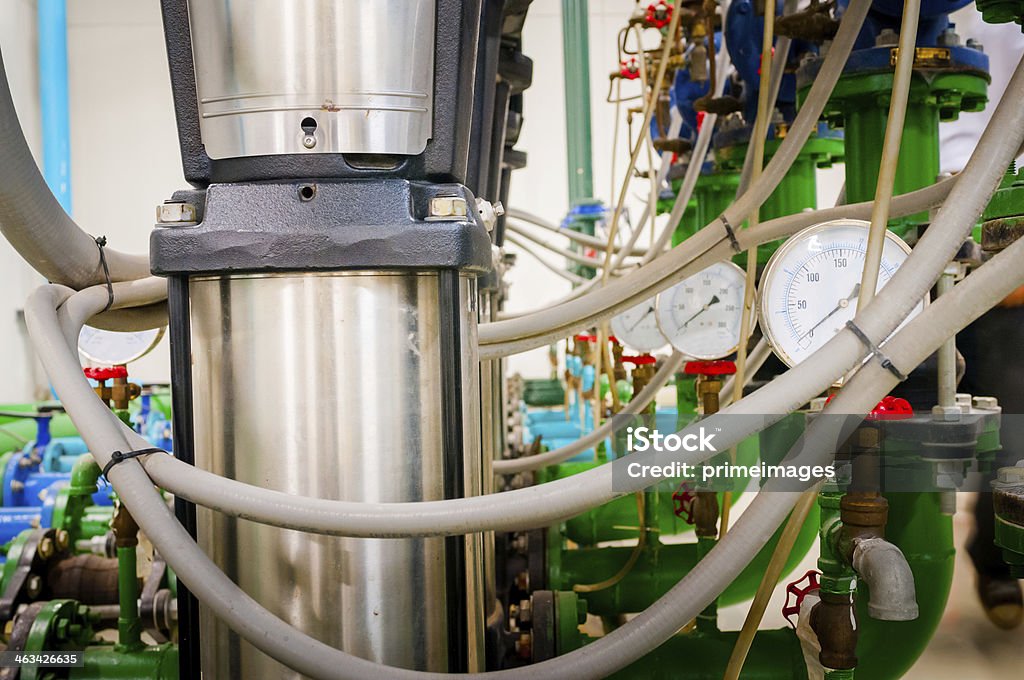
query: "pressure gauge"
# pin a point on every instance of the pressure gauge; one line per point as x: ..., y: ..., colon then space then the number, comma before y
x: 810, y: 287
x: 701, y: 315
x: 637, y: 328
x: 115, y: 348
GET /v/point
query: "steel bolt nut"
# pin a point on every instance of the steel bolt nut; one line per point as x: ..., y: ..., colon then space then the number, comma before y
x: 34, y: 586
x: 887, y: 38
x: 987, y: 403
x: 63, y: 539
x: 448, y: 208
x: 45, y: 549
x: 1010, y: 475
x: 175, y: 212
x: 525, y: 611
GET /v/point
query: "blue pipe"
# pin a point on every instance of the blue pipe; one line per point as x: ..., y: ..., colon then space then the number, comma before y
x: 53, y: 98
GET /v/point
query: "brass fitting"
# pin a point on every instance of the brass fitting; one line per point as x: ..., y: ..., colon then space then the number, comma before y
x: 708, y: 388
x: 834, y: 621
x: 705, y: 514
x: 863, y: 515
x: 642, y: 375
x: 126, y: 530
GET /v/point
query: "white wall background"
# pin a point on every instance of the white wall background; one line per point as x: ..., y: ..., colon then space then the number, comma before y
x: 125, y: 158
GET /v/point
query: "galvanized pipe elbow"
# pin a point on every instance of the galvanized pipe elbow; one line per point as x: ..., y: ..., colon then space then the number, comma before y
x: 890, y: 581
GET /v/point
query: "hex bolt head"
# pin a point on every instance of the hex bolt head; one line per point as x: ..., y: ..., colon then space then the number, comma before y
x: 34, y: 586
x: 887, y: 38
x: 175, y: 212
x: 63, y: 539
x: 1010, y: 475
x: 45, y: 549
x: 448, y: 208
x: 946, y: 414
x: 988, y: 403
x: 525, y: 611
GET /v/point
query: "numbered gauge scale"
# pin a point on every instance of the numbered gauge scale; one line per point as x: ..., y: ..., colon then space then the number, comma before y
x: 701, y: 315
x: 637, y: 328
x: 114, y: 348
x: 810, y: 286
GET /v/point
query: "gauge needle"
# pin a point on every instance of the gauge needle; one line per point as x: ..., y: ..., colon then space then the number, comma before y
x: 714, y: 300
x: 646, y: 314
x: 842, y: 304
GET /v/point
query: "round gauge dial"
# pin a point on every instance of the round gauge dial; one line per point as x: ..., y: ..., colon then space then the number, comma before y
x: 637, y: 328
x: 810, y: 287
x: 701, y: 315
x: 114, y: 348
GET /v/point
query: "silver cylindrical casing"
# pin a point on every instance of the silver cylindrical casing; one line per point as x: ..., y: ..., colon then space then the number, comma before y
x: 361, y: 72
x: 330, y: 385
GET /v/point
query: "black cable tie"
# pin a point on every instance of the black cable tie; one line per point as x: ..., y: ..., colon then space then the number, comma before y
x: 119, y: 457
x: 730, y: 232
x: 876, y: 351
x: 101, y: 242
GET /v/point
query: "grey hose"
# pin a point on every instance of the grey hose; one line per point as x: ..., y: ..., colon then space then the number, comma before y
x: 36, y: 224
x: 540, y: 328
x: 578, y: 258
x: 572, y: 278
x: 578, y: 236
x: 608, y: 428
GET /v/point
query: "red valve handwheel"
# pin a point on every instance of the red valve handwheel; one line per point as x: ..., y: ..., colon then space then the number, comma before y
x: 797, y: 592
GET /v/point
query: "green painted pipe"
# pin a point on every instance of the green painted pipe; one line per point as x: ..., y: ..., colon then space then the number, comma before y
x: 157, y: 662
x: 129, y: 625
x: 576, y: 60
x: 15, y: 433
x: 659, y: 568
x: 774, y: 655
x: 860, y: 105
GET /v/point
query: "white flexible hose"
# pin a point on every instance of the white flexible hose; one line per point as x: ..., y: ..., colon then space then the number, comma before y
x: 518, y: 236
x: 561, y: 272
x: 578, y: 236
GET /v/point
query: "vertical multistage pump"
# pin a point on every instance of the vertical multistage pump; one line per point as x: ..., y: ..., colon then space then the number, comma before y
x: 322, y: 298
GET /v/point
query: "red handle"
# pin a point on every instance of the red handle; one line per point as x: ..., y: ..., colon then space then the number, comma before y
x: 106, y: 373
x: 890, y: 408
x: 797, y: 592
x: 682, y: 502
x: 709, y: 368
x: 658, y: 15
x: 629, y: 68
x: 640, y: 360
